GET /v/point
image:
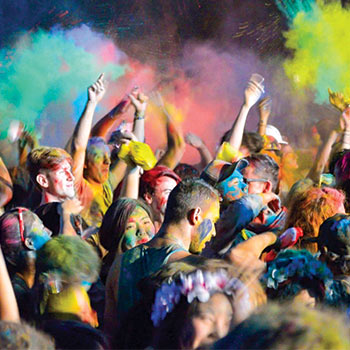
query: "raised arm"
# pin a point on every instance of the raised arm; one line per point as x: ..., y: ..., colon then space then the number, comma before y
x: 323, y: 156
x: 345, y: 126
x: 5, y: 185
x: 8, y: 303
x: 337, y: 100
x: 251, y: 95
x: 264, y: 113
x: 196, y: 142
x: 176, y: 143
x: 82, y: 130
x: 104, y: 126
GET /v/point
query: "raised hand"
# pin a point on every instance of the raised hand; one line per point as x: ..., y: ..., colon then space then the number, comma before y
x: 72, y: 206
x: 193, y: 140
x: 252, y: 94
x: 97, y: 90
x: 265, y: 105
x: 345, y: 119
x: 337, y: 100
x: 139, y: 101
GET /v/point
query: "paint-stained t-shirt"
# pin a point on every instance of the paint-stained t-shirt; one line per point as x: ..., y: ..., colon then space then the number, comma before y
x: 94, y: 201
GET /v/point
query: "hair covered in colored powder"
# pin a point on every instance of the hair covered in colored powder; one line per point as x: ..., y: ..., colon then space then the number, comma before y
x: 70, y: 257
x: 46, y: 158
x: 22, y: 336
x: 309, y: 209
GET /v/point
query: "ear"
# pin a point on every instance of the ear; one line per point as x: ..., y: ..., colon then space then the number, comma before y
x: 29, y: 243
x: 148, y: 198
x: 194, y: 216
x: 267, y: 187
x: 41, y: 179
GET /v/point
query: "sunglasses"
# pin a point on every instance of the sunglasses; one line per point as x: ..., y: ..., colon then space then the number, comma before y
x: 248, y: 181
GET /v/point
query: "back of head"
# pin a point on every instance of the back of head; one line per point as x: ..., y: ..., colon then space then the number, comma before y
x: 266, y: 168
x: 291, y: 326
x: 45, y: 158
x: 309, y: 209
x: 253, y: 141
x: 185, y: 171
x: 15, y: 227
x: 68, y: 259
x: 294, y: 271
x: 334, y: 243
x: 148, y: 180
x: 187, y: 195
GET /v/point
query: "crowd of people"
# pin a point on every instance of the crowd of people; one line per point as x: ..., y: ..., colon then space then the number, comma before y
x: 108, y: 245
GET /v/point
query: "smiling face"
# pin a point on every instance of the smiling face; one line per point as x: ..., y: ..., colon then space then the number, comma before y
x: 211, y: 321
x: 139, y: 229
x: 60, y: 181
x: 205, y: 229
x: 97, y: 163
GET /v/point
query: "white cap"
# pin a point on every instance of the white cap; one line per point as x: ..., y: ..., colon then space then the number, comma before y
x: 275, y: 133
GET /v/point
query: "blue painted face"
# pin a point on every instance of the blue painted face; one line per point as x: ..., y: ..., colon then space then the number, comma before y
x: 233, y: 187
x: 39, y: 235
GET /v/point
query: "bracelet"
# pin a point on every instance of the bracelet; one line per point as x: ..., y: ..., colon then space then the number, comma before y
x: 139, y: 116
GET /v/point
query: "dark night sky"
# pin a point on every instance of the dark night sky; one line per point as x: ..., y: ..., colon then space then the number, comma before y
x: 163, y: 25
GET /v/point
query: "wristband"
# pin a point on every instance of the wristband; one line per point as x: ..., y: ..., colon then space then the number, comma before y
x: 139, y: 116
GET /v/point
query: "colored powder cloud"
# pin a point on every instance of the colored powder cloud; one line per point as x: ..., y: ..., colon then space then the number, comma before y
x: 321, y: 54
x: 44, y: 73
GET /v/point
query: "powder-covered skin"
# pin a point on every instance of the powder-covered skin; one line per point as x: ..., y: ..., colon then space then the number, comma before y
x: 205, y: 230
x: 164, y: 186
x: 139, y: 228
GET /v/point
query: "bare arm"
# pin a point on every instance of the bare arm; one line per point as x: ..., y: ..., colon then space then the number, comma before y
x: 8, y: 303
x: 251, y: 95
x: 345, y: 126
x: 196, y: 142
x: 176, y: 143
x: 106, y: 124
x: 264, y: 113
x: 5, y: 185
x: 82, y: 130
x: 322, y: 157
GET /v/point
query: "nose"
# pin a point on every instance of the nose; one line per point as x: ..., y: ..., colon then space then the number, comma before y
x: 69, y: 175
x: 221, y: 327
x: 106, y: 160
x: 141, y: 232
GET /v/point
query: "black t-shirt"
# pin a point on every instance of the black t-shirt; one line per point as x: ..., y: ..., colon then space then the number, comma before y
x: 74, y: 334
x: 51, y: 214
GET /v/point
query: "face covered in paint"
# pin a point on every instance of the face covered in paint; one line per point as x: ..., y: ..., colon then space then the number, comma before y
x: 205, y: 229
x: 211, y: 321
x: 164, y: 186
x: 139, y: 229
x: 60, y: 181
x: 233, y: 187
x: 97, y: 163
x: 36, y: 234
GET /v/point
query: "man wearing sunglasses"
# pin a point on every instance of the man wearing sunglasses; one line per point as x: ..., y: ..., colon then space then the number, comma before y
x: 254, y: 209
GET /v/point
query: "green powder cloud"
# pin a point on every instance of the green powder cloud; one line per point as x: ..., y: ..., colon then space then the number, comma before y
x: 320, y: 40
x: 45, y: 72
